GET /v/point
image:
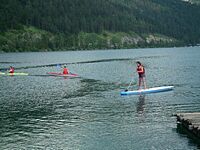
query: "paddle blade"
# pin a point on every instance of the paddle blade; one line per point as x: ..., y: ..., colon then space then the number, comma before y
x: 58, y: 66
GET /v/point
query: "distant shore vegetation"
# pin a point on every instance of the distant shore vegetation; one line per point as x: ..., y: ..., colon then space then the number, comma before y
x: 32, y: 39
x: 39, y: 25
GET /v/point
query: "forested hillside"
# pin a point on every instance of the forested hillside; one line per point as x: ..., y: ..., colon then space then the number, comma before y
x: 193, y: 1
x: 90, y: 24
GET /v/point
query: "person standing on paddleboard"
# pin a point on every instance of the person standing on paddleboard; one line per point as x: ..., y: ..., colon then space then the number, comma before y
x: 141, y: 73
x: 12, y: 69
x: 65, y: 70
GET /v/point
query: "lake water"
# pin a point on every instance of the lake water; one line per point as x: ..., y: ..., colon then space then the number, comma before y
x: 88, y: 113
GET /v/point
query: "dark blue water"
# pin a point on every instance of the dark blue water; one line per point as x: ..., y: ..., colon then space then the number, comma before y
x: 44, y: 112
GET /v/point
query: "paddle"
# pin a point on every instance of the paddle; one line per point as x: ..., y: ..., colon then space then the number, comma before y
x: 129, y: 85
x: 58, y: 66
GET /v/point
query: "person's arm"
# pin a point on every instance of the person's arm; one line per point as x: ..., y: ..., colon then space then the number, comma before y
x: 141, y: 70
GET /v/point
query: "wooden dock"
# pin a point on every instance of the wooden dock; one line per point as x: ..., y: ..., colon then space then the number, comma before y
x: 191, y: 121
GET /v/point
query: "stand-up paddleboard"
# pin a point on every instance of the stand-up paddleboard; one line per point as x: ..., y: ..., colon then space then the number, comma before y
x: 148, y: 91
x: 73, y: 75
x: 14, y: 74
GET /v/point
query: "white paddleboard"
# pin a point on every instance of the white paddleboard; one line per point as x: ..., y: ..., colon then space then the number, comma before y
x: 148, y: 91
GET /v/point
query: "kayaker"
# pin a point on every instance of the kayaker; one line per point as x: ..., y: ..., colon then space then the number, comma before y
x: 65, y: 70
x: 12, y: 69
x: 141, y: 73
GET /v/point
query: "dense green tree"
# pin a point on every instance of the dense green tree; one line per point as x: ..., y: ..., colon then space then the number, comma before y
x: 173, y: 18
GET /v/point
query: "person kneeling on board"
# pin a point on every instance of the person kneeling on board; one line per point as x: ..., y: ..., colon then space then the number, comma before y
x: 65, y: 70
x: 12, y: 69
x: 141, y: 73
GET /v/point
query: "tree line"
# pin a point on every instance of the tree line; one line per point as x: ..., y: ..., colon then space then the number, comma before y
x: 173, y: 18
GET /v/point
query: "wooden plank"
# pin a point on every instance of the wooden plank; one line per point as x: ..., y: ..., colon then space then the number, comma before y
x: 191, y: 121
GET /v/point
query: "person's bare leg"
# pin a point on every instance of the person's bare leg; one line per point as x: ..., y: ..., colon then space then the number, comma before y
x: 144, y: 83
x: 140, y: 80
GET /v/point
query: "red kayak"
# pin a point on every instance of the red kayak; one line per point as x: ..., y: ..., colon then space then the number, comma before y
x: 62, y: 75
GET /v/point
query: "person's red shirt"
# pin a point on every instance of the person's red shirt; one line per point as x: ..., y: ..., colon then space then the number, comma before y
x: 12, y: 70
x: 140, y: 69
x: 65, y: 71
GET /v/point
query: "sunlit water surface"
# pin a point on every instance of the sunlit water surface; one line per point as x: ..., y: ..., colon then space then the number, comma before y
x: 88, y: 113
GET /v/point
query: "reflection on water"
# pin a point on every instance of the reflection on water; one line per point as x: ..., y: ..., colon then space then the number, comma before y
x: 141, y: 104
x: 187, y: 134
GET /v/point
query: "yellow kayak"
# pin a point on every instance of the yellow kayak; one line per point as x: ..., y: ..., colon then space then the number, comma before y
x: 14, y: 74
